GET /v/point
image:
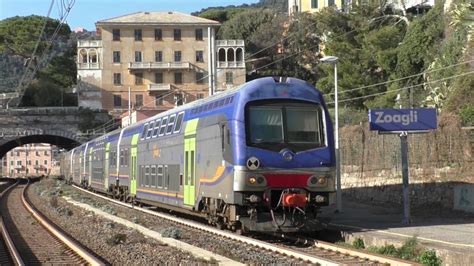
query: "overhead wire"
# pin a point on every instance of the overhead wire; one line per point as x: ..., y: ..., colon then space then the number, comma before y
x: 402, y: 78
x: 403, y: 88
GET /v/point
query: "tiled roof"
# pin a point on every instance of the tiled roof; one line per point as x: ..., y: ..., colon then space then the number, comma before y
x: 158, y: 18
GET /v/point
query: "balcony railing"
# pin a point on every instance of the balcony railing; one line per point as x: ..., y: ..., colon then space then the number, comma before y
x: 88, y: 66
x: 158, y: 65
x: 159, y: 87
x: 89, y: 43
x: 231, y: 64
x: 233, y: 43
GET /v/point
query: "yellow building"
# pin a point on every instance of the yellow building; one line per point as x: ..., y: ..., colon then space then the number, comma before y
x: 312, y: 6
x: 164, y: 58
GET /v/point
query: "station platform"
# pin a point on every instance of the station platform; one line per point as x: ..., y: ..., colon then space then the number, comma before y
x: 450, y: 233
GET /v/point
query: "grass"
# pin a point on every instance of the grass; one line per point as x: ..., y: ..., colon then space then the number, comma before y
x: 410, y: 250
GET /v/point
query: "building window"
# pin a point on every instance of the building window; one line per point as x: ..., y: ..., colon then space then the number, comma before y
x: 199, y: 96
x: 199, y: 56
x: 158, y: 35
x: 18, y: 162
x: 198, y: 34
x: 116, y: 34
x: 138, y: 100
x: 117, y: 78
x: 45, y: 162
x: 158, y: 78
x: 158, y: 56
x: 138, y: 35
x: 331, y: 3
x: 36, y: 162
x: 138, y: 56
x: 229, y: 78
x: 158, y: 100
x: 117, y: 101
x: 314, y: 4
x: 46, y: 153
x: 138, y: 78
x: 178, y: 78
x: 177, y: 56
x: 116, y: 56
x: 199, y: 77
x: 12, y: 162
x: 177, y: 34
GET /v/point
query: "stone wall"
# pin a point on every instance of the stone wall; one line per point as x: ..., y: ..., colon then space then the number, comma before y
x: 439, y: 162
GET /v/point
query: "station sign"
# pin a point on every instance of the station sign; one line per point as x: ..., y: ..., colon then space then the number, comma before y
x: 399, y: 120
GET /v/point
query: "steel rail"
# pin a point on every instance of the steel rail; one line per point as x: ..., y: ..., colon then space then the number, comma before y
x: 6, y: 236
x: 50, y: 227
x: 264, y: 245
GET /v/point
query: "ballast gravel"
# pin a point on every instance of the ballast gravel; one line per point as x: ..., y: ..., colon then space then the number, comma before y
x: 48, y: 189
x: 113, y: 242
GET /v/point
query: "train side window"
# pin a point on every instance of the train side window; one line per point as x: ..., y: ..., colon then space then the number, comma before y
x: 145, y: 128
x: 228, y: 136
x: 157, y: 128
x: 223, y: 138
x: 227, y: 100
x: 215, y: 104
x: 150, y: 130
x: 221, y: 102
x: 163, y: 126
x: 153, y: 176
x: 178, y: 123
x: 160, y: 176
x: 166, y: 177
x: 147, y: 176
x: 169, y: 129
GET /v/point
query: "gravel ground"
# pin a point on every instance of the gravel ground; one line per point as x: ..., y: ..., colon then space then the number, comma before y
x: 218, y: 245
x: 113, y: 242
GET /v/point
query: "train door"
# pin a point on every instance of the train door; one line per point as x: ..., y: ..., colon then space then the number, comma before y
x: 190, y: 162
x: 106, y: 166
x: 133, y: 165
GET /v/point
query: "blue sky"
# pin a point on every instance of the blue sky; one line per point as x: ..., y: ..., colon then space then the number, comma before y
x: 86, y: 12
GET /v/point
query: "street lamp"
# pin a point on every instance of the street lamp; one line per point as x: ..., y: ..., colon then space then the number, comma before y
x: 334, y: 60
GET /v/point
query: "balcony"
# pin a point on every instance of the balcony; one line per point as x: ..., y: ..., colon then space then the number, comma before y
x: 158, y: 65
x: 88, y: 66
x: 231, y: 64
x: 229, y: 43
x: 159, y: 87
x: 89, y: 43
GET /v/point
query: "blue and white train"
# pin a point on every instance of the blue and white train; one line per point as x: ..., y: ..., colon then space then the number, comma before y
x: 259, y: 157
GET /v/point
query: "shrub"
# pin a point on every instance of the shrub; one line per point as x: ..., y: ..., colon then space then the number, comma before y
x: 409, y: 250
x: 358, y: 243
x: 429, y: 257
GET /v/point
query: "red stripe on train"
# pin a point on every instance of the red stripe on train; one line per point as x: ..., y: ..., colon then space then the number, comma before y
x: 287, y: 180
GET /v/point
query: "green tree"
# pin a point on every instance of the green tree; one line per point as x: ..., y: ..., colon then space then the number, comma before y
x: 19, y: 35
x: 55, y: 60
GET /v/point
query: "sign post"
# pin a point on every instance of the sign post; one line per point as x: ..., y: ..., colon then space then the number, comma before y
x: 402, y: 122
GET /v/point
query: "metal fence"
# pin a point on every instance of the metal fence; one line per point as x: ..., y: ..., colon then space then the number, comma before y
x: 449, y: 146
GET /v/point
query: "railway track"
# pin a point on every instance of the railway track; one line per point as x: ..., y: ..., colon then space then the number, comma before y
x: 31, y: 238
x: 319, y: 252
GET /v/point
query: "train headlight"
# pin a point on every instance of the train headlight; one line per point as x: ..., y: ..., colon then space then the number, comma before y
x: 257, y: 180
x: 322, y: 180
x: 252, y: 180
x: 317, y: 181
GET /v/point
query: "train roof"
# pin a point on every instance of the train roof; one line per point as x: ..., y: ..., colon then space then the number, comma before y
x: 245, y: 88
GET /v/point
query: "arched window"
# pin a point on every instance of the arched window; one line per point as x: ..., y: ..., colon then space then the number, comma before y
x: 92, y: 56
x: 239, y: 54
x: 230, y: 55
x: 83, y: 56
x: 221, y: 55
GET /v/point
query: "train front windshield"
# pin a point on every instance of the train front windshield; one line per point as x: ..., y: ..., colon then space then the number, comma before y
x: 275, y: 126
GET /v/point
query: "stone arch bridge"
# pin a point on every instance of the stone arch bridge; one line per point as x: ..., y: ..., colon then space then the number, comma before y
x: 53, y: 125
